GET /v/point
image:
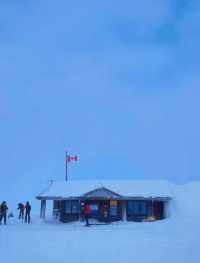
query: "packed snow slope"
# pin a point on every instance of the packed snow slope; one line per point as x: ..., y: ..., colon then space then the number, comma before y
x: 173, y: 240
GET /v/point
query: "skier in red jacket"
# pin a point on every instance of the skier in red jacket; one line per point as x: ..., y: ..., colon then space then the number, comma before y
x: 87, y: 211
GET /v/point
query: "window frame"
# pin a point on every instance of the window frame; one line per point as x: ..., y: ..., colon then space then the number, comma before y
x: 137, y: 208
x: 70, y: 205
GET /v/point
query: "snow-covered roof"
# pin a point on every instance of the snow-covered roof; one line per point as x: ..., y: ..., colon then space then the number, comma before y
x: 125, y: 188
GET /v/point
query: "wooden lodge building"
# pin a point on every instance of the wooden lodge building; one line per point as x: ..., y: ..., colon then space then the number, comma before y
x: 109, y: 200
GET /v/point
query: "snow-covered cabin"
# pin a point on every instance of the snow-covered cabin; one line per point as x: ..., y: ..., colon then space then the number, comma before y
x: 109, y: 200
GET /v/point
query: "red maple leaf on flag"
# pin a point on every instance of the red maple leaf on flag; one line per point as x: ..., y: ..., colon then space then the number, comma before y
x: 72, y: 158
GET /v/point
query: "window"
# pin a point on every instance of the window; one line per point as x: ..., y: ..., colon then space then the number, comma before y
x: 68, y: 207
x: 72, y: 207
x: 113, y: 208
x: 56, y: 204
x: 94, y: 209
x: 137, y: 208
x: 75, y: 207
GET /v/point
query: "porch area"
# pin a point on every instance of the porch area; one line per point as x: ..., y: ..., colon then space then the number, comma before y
x: 101, y: 210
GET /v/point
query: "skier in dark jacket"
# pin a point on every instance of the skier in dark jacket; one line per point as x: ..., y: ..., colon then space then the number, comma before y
x: 3, y: 212
x: 82, y: 212
x: 87, y: 211
x: 21, y: 211
x: 27, y: 213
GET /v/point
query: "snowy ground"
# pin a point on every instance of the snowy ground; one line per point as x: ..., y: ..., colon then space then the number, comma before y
x: 164, y: 241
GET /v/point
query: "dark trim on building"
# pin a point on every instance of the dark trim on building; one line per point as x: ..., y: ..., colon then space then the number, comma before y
x: 123, y: 198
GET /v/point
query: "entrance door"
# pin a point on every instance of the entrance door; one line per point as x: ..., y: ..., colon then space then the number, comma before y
x: 158, y: 209
x: 104, y: 211
x: 110, y: 211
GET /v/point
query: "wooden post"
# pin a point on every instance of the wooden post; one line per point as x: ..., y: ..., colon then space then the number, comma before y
x: 124, y: 216
x: 43, y: 209
x: 152, y: 208
x: 79, y: 203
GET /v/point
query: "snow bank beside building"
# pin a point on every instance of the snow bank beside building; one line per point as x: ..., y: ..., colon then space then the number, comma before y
x: 186, y: 200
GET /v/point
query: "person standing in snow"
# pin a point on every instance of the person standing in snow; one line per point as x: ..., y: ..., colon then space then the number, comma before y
x: 82, y: 212
x: 27, y: 213
x: 21, y: 211
x: 87, y: 211
x: 3, y: 212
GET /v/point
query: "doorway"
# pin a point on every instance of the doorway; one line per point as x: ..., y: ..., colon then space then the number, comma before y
x: 158, y: 210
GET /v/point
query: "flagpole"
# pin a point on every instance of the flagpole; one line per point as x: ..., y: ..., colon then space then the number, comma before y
x: 66, y: 167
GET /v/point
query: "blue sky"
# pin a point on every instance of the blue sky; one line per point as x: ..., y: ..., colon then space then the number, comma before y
x: 115, y: 82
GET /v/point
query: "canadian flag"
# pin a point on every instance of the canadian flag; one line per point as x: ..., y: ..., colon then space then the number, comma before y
x: 72, y: 158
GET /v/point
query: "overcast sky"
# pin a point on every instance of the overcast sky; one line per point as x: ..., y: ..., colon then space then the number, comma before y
x: 115, y: 82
